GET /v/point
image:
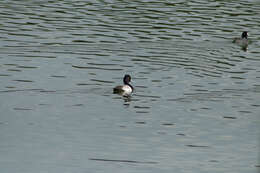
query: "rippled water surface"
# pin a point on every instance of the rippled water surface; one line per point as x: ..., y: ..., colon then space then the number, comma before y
x: 196, y: 104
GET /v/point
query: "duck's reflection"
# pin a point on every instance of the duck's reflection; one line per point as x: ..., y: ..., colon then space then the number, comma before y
x: 244, y: 48
x: 127, y: 98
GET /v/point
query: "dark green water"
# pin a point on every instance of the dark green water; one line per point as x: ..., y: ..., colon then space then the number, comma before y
x: 196, y: 105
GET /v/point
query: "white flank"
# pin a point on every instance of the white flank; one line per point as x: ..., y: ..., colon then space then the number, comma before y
x: 127, y: 89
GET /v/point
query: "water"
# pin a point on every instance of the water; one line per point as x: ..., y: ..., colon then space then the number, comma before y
x: 196, y: 102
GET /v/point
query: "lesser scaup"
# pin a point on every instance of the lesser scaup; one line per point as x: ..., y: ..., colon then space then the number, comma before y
x: 125, y: 89
x: 243, y: 40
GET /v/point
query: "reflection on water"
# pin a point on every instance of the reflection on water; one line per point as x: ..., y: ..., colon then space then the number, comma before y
x: 196, y: 100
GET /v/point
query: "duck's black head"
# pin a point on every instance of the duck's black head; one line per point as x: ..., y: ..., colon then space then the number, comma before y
x: 127, y: 79
x: 244, y: 34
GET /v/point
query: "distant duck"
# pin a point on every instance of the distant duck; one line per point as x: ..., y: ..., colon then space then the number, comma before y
x: 243, y: 40
x: 125, y: 89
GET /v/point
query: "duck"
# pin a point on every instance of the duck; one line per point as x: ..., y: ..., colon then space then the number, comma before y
x: 125, y: 89
x: 243, y: 40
